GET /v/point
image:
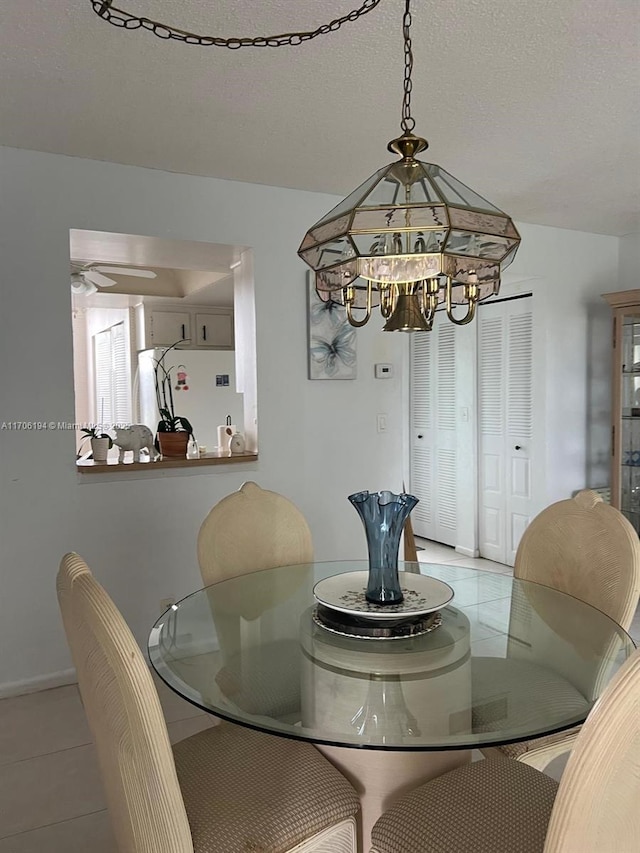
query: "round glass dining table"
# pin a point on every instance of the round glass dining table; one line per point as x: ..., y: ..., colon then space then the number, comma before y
x: 509, y: 660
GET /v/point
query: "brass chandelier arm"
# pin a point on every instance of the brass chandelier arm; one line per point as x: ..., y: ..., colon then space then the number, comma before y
x: 128, y: 21
x: 388, y: 300
x: 429, y: 303
x: 472, y: 296
x: 349, y: 297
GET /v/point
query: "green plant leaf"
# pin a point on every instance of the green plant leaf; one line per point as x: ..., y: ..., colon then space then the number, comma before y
x: 184, y: 423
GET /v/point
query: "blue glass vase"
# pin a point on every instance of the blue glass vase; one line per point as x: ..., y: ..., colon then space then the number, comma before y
x: 383, y: 515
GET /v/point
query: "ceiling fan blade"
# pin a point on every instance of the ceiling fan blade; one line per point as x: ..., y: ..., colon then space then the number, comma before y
x: 127, y: 271
x: 97, y: 278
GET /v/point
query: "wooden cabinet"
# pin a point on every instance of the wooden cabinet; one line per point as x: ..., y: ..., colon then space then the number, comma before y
x: 625, y: 424
x: 167, y: 327
x: 214, y: 329
x: 199, y: 326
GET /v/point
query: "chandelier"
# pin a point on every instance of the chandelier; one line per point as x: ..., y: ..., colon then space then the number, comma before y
x: 410, y: 239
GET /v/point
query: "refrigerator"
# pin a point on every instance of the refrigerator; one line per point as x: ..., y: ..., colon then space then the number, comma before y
x: 203, y: 383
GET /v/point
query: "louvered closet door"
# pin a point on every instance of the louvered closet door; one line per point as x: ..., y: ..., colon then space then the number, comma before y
x: 433, y: 433
x: 505, y: 425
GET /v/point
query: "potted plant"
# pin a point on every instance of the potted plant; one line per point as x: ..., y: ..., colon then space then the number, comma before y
x: 174, y: 431
x: 101, y: 444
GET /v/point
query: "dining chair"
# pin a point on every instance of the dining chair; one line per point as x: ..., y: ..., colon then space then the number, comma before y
x: 226, y: 789
x: 250, y: 530
x: 247, y: 531
x: 497, y: 806
x: 589, y: 550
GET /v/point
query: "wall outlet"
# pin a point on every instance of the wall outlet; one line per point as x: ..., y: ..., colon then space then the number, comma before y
x: 165, y: 603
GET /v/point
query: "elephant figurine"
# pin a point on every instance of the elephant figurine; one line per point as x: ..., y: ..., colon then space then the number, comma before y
x: 136, y: 438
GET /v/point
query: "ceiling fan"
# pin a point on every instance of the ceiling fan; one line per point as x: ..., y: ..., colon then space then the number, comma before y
x: 87, y: 278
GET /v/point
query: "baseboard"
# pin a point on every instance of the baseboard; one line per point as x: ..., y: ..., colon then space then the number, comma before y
x: 468, y: 552
x: 40, y: 682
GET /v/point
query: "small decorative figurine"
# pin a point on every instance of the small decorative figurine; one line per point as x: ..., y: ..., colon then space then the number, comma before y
x: 236, y: 443
x: 136, y: 438
x: 183, y: 382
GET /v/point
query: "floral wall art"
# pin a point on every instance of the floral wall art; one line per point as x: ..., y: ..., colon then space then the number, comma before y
x: 332, y: 341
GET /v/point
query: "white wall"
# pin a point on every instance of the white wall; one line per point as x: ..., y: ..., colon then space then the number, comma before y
x: 572, y: 342
x: 629, y: 262
x: 318, y: 440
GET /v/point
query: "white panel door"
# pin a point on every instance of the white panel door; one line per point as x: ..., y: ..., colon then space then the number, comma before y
x: 433, y: 433
x: 505, y: 426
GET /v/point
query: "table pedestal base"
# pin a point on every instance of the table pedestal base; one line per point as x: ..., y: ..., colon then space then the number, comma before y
x: 380, y: 777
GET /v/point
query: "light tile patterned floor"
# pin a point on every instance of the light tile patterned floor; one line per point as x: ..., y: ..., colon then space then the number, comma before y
x: 51, y: 799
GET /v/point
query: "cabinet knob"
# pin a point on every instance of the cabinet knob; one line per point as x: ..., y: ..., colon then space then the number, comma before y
x: 517, y: 447
x: 420, y: 436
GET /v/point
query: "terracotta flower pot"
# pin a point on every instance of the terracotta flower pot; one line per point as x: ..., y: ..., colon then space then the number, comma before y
x: 173, y: 445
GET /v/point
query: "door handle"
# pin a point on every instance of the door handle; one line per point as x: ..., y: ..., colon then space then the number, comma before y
x: 183, y: 331
x: 204, y: 333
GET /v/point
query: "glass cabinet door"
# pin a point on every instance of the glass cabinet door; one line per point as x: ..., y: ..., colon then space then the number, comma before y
x: 629, y: 456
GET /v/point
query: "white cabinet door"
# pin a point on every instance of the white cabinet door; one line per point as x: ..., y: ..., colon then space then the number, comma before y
x: 505, y: 426
x: 433, y: 433
x: 167, y: 327
x: 214, y: 329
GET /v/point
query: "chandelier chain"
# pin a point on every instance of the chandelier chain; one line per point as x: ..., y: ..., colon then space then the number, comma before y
x: 408, y: 122
x: 128, y: 21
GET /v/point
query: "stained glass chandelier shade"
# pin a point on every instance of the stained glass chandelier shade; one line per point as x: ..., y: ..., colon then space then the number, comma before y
x: 411, y: 222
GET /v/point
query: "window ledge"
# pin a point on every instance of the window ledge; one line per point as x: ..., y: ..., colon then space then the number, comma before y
x: 88, y: 466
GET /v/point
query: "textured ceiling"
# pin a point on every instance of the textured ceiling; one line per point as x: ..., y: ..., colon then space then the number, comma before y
x: 533, y: 103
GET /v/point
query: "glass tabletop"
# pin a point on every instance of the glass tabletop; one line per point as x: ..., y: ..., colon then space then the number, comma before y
x: 510, y: 660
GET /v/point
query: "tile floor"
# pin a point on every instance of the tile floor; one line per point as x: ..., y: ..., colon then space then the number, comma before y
x: 434, y: 552
x: 51, y: 799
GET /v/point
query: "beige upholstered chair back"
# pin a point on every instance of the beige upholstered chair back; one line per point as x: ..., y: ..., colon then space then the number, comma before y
x: 597, y: 806
x: 588, y: 549
x: 121, y: 703
x: 250, y: 530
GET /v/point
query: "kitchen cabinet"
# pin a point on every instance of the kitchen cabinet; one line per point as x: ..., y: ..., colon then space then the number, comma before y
x: 214, y: 329
x: 167, y: 327
x: 199, y: 326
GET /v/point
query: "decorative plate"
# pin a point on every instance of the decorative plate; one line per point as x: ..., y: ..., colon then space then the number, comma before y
x: 361, y: 628
x: 345, y: 593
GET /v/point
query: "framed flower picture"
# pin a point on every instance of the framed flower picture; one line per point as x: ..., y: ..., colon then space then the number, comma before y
x: 332, y: 340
